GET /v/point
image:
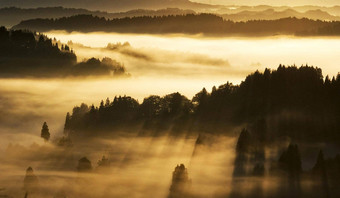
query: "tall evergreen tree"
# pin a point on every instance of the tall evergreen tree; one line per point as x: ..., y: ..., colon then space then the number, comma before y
x: 180, y: 182
x: 30, y: 181
x: 320, y: 171
x: 84, y: 165
x: 243, y: 148
x: 67, y: 123
x: 45, y: 132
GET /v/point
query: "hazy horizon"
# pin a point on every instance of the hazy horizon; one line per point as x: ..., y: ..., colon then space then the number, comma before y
x: 106, y: 5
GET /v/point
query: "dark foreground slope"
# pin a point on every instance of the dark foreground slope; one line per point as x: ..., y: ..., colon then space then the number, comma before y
x: 289, y: 102
x: 24, y: 53
x: 189, y: 24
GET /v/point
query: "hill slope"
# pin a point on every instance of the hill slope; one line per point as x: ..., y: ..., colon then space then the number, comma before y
x: 13, y: 15
x: 208, y: 24
x: 108, y: 5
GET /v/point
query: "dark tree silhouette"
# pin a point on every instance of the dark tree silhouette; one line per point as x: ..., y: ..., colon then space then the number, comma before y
x: 24, y: 53
x: 243, y: 143
x: 190, y: 23
x: 65, y: 141
x: 31, y: 182
x: 180, y: 182
x: 84, y: 165
x: 103, y: 163
x: 67, y: 124
x: 45, y: 132
x: 243, y: 149
x: 320, y: 162
x: 288, y: 102
x: 290, y: 162
x: 320, y: 173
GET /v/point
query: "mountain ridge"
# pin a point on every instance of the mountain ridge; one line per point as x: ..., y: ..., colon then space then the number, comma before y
x: 109, y: 5
x: 11, y: 16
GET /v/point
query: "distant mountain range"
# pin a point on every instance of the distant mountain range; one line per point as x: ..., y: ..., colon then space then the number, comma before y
x: 109, y: 5
x: 271, y: 14
x: 334, y: 10
x: 13, y: 15
x: 126, y: 5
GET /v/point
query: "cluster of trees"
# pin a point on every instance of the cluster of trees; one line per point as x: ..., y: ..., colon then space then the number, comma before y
x: 329, y: 30
x: 273, y: 14
x: 290, y: 101
x: 32, y: 187
x: 286, y: 168
x: 180, y: 184
x: 189, y: 23
x: 85, y: 165
x: 125, y: 112
x: 92, y: 66
x: 28, y: 52
x: 25, y: 53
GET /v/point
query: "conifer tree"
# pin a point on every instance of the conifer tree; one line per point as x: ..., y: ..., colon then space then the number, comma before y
x: 45, y: 133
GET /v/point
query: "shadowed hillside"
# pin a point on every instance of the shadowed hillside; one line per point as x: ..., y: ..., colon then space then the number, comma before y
x: 291, y: 102
x: 24, y: 53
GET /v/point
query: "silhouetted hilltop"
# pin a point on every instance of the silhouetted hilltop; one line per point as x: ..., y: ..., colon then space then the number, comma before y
x: 24, y: 53
x: 10, y: 16
x: 109, y: 5
x: 272, y: 14
x: 190, y: 24
x: 233, y: 9
x: 287, y: 102
x: 160, y: 12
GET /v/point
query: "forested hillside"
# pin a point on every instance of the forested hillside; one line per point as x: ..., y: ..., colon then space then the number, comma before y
x: 24, y: 53
x: 288, y: 102
x: 208, y: 24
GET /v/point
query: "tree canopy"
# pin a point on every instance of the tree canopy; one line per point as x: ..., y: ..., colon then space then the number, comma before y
x: 25, y: 53
x: 210, y: 24
x: 295, y: 102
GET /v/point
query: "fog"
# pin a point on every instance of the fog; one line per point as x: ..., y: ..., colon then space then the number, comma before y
x: 233, y: 58
x: 27, y: 103
x: 139, y: 166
